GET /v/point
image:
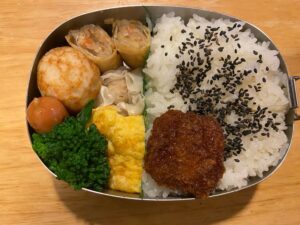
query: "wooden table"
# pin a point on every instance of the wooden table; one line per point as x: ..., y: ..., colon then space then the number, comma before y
x: 30, y: 195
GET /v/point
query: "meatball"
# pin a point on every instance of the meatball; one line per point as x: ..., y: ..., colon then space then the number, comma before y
x: 185, y: 152
x: 69, y: 76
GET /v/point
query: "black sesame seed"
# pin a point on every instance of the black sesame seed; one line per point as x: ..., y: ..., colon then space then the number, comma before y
x: 215, y: 29
x: 255, y: 70
x: 255, y: 52
x: 267, y: 68
x: 237, y: 160
x: 264, y: 80
x: 183, y: 31
x: 238, y: 44
x: 171, y: 38
x: 220, y: 49
x: 197, y: 27
x: 166, y: 54
x: 235, y: 51
x: 246, y: 132
x: 162, y: 46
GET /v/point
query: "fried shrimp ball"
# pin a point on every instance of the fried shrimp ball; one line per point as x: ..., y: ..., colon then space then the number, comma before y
x: 69, y: 76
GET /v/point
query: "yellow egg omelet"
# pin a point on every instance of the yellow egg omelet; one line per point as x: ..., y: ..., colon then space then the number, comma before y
x: 126, y: 147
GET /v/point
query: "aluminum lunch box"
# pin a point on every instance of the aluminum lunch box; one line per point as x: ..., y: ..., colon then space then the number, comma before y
x: 56, y: 38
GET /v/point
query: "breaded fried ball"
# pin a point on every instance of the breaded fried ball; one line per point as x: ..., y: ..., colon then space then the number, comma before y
x: 69, y: 76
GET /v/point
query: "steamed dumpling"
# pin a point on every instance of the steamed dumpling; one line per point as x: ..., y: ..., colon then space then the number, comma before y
x: 123, y: 89
x: 136, y: 106
x: 116, y: 86
x: 69, y: 76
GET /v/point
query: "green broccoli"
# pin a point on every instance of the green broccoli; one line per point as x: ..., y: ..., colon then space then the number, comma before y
x: 74, y: 152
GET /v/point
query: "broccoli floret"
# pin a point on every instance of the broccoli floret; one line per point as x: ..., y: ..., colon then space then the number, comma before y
x: 75, y: 153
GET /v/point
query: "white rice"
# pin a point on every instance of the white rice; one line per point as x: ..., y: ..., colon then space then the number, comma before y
x: 161, y: 69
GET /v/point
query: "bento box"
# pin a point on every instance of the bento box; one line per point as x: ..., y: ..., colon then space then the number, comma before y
x: 189, y: 65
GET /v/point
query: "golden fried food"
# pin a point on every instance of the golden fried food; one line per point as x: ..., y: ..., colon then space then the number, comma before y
x: 185, y: 152
x: 132, y: 40
x: 69, y: 76
x: 97, y: 45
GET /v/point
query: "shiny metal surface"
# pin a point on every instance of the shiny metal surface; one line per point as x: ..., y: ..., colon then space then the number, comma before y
x: 293, y: 95
x: 56, y: 38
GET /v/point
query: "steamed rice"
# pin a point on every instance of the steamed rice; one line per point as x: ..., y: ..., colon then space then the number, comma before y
x: 260, y: 152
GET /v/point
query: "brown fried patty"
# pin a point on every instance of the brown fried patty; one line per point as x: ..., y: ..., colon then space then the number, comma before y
x: 185, y: 152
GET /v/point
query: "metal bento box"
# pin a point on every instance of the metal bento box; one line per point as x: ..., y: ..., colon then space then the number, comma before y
x: 57, y: 38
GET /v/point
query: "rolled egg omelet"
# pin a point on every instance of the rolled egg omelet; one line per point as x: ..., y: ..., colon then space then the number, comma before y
x: 126, y: 147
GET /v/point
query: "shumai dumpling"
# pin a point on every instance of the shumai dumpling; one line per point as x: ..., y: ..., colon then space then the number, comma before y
x: 124, y: 89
